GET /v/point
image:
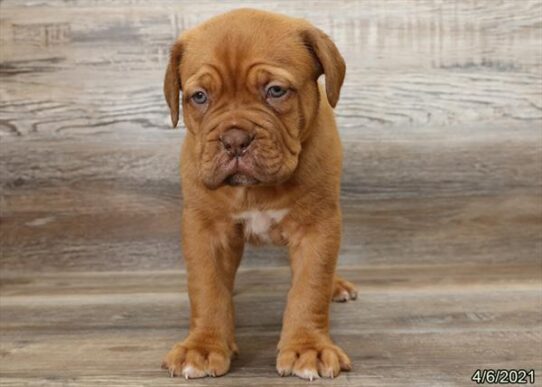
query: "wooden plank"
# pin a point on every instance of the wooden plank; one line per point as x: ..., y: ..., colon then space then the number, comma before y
x: 101, y: 226
x: 464, y: 160
x: 392, y: 278
x: 434, y: 63
x: 261, y: 312
x: 379, y: 359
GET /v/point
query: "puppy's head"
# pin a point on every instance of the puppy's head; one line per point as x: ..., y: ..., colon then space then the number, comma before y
x: 250, y: 94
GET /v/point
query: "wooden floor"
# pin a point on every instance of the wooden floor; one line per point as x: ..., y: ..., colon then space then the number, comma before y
x: 441, y: 120
x: 412, y: 325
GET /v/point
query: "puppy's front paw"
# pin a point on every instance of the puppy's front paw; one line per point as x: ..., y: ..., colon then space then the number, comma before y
x: 197, y: 358
x: 312, y: 359
x: 343, y: 290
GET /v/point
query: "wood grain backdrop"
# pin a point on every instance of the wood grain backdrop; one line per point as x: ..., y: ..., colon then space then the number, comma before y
x: 440, y: 115
x: 441, y: 120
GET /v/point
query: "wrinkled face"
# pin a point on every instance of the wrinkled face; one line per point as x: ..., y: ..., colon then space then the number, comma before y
x: 249, y: 95
x: 246, y: 106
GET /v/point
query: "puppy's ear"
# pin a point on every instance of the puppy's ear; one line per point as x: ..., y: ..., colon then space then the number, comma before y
x: 329, y: 61
x: 172, y: 82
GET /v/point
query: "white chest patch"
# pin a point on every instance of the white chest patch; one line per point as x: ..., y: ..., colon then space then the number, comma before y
x: 258, y: 223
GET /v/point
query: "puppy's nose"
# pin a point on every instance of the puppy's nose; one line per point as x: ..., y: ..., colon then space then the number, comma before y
x: 236, y: 141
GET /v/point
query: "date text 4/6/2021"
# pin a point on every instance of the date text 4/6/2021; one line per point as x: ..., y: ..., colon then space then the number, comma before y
x: 503, y: 376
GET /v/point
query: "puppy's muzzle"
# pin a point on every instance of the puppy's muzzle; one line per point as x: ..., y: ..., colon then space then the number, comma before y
x: 236, y: 142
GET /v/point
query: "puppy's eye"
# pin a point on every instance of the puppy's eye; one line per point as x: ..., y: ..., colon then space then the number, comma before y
x: 275, y: 91
x: 199, y: 97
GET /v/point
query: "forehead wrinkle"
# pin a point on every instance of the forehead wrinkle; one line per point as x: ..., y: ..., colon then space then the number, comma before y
x: 205, y: 76
x: 232, y: 52
x: 272, y: 72
x: 237, y: 55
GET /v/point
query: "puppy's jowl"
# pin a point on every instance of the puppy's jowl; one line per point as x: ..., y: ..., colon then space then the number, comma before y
x: 261, y: 162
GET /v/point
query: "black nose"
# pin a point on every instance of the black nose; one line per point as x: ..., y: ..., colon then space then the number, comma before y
x: 236, y: 141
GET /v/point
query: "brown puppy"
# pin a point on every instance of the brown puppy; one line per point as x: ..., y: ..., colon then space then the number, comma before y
x: 261, y: 162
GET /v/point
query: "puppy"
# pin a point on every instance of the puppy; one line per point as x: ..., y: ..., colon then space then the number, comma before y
x: 261, y: 162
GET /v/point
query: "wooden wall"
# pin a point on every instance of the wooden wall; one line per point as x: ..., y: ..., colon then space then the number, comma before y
x: 441, y: 117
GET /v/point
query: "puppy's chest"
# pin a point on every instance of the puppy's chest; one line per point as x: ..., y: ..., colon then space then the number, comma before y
x: 263, y: 226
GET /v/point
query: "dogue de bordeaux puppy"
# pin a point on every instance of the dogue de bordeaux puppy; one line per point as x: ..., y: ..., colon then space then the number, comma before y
x: 261, y: 162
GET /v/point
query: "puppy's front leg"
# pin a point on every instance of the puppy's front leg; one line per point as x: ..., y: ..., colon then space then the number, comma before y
x: 305, y: 348
x: 212, y: 254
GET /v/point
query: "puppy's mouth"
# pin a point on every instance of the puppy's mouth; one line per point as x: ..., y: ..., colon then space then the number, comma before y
x: 238, y: 171
x: 240, y: 179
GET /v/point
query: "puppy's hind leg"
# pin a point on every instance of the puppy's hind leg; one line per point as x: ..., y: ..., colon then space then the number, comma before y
x: 343, y: 290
